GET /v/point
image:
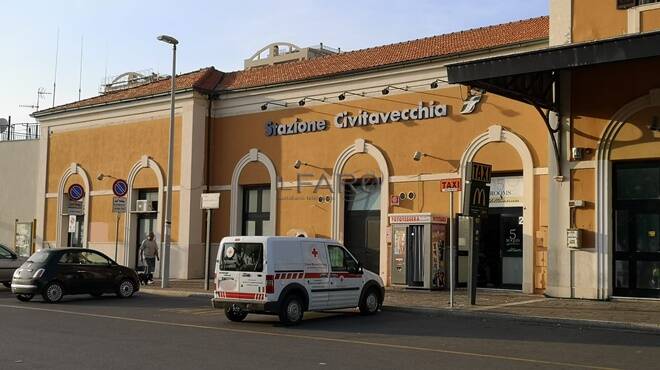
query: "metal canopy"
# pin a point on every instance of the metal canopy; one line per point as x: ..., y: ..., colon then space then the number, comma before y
x: 530, y: 77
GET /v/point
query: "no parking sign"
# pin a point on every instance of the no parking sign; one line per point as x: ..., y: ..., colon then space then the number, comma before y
x: 76, y: 192
x: 120, y: 187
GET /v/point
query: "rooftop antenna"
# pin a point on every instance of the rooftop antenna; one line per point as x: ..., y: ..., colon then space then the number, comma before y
x: 81, y: 64
x: 40, y: 93
x: 57, y: 52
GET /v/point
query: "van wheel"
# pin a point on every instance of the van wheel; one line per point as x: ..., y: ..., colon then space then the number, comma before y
x: 234, y: 313
x: 291, y: 312
x: 370, y: 303
x: 25, y: 297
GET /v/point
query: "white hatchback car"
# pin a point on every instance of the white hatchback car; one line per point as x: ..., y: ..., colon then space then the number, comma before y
x: 287, y: 276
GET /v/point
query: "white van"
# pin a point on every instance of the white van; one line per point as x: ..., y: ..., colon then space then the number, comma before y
x: 287, y: 276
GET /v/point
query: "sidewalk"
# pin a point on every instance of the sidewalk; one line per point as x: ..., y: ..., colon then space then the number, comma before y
x: 619, y: 313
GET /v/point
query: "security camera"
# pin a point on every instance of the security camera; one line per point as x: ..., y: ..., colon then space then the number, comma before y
x: 411, y: 195
x: 417, y: 156
x: 402, y: 196
x: 328, y: 198
x: 297, y: 164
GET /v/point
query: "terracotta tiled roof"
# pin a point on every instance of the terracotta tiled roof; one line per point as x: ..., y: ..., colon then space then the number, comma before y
x: 208, y: 79
x: 205, y: 79
x: 360, y: 60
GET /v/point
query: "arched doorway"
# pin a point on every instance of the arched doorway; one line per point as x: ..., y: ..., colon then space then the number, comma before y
x: 627, y: 205
x: 253, y: 206
x: 369, y: 198
x: 145, y: 208
x: 72, y: 220
x: 511, y: 259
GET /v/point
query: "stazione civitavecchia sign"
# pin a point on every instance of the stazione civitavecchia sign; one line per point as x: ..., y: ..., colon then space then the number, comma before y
x: 362, y: 118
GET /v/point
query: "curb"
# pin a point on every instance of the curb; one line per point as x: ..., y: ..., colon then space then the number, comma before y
x: 176, y: 293
x: 555, y: 321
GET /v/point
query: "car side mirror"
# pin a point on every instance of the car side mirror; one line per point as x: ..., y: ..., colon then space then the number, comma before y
x: 14, y: 256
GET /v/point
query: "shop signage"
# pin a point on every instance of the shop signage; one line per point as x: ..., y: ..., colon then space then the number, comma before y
x: 416, y: 218
x: 23, y: 238
x: 118, y: 204
x: 210, y: 201
x: 506, y: 191
x: 76, y: 192
x: 298, y: 127
x: 120, y: 187
x: 450, y: 184
x: 477, y: 189
x: 363, y: 118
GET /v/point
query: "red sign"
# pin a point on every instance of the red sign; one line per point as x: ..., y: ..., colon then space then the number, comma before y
x: 451, y: 184
x: 315, y: 253
x: 394, y: 200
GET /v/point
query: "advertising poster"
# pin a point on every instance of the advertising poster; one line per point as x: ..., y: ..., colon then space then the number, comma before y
x: 23, y: 239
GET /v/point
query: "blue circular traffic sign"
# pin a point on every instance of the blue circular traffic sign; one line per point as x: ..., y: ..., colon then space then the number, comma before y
x: 76, y: 192
x: 120, y: 187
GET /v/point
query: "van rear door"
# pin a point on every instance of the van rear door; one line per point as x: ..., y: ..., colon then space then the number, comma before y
x: 240, y: 271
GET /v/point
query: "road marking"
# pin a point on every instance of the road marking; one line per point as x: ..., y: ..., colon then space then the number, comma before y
x: 486, y: 308
x: 315, y: 338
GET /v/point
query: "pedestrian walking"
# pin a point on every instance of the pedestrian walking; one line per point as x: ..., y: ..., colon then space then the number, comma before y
x: 149, y: 255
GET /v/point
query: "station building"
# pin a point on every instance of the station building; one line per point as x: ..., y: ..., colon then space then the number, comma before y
x: 354, y: 146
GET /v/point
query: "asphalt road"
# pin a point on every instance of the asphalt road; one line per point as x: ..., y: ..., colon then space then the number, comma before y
x: 153, y: 332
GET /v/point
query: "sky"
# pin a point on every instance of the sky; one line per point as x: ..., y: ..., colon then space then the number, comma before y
x: 120, y: 36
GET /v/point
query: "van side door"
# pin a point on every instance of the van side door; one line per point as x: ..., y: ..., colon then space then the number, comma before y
x: 345, y: 279
x: 316, y: 274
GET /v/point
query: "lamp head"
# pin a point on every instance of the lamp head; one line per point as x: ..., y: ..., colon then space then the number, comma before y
x: 434, y: 84
x: 341, y: 96
x: 297, y: 164
x: 301, y: 102
x: 168, y: 39
x: 417, y: 156
x: 385, y: 91
x: 100, y: 176
x: 264, y: 106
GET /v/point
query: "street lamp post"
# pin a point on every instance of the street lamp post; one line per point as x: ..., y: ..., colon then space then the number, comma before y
x: 165, y: 270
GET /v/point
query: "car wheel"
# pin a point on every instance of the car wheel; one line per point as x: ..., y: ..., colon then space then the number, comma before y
x: 235, y: 313
x: 292, y: 310
x: 370, y: 303
x: 125, y: 289
x: 7, y: 284
x: 25, y: 297
x: 53, y: 292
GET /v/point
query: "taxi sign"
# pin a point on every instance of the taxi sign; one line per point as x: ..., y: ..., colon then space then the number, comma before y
x: 450, y: 184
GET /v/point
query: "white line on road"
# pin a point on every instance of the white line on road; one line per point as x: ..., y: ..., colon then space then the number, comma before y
x: 486, y: 308
x: 315, y: 338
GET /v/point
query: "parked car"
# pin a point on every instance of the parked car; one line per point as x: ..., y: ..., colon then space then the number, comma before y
x: 54, y: 273
x: 9, y: 262
x: 287, y: 276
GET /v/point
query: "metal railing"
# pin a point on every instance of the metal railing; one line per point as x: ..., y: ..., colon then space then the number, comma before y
x: 19, y: 131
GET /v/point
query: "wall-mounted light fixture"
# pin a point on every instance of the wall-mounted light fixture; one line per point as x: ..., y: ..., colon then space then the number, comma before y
x: 102, y: 176
x: 434, y: 84
x: 386, y: 90
x: 302, y: 101
x: 297, y: 164
x: 472, y: 100
x: 417, y: 156
x: 342, y: 96
x: 266, y: 104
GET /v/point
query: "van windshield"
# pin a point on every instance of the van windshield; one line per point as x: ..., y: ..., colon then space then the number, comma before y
x: 242, y: 257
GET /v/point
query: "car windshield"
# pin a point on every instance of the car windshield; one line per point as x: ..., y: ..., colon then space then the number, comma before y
x: 39, y: 257
x: 242, y: 257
